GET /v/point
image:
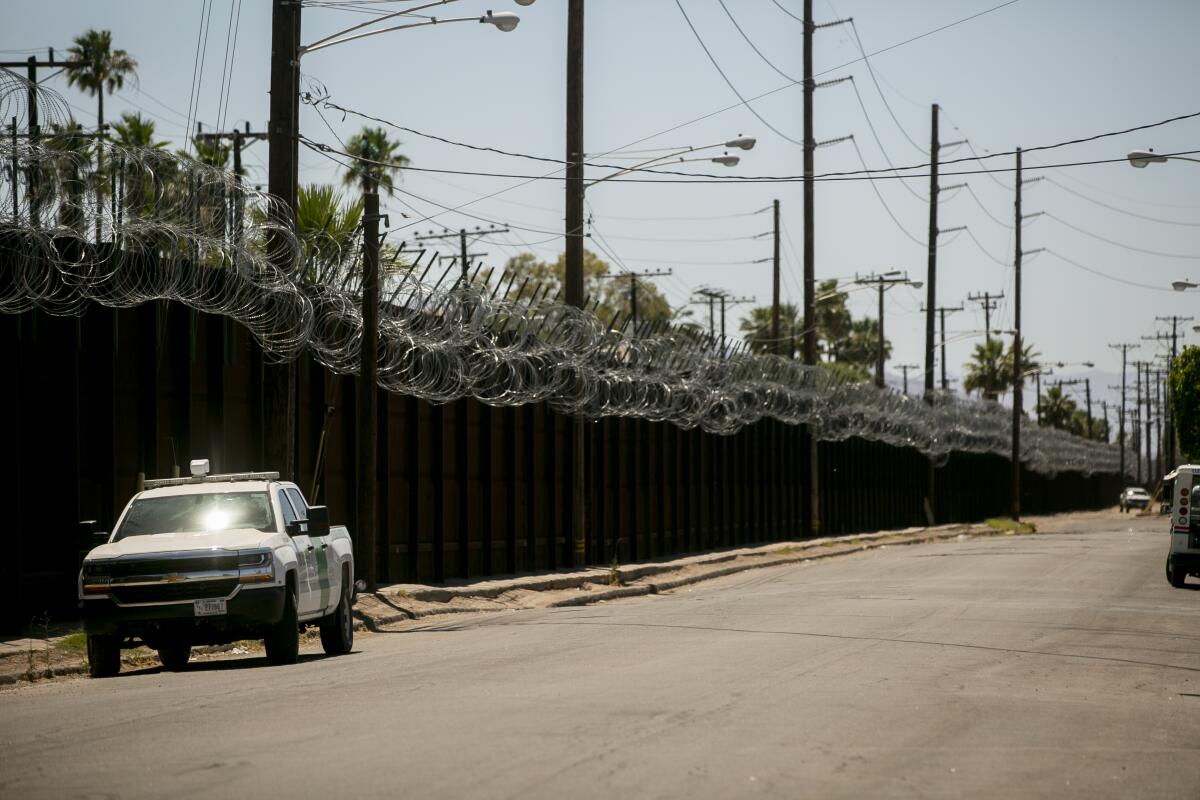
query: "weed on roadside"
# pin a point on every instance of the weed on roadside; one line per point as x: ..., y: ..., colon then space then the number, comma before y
x: 1010, y: 525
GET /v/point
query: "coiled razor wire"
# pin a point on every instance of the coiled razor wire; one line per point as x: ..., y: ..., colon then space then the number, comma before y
x: 159, y: 226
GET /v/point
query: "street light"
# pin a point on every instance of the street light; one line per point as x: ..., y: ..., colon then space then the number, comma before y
x: 1140, y: 158
x: 677, y: 155
x: 505, y: 21
x: 1181, y: 286
x: 282, y: 135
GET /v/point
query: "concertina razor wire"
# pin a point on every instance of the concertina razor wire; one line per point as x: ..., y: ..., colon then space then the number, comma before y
x: 83, y: 220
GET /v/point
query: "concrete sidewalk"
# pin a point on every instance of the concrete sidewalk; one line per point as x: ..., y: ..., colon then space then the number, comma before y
x: 400, y: 602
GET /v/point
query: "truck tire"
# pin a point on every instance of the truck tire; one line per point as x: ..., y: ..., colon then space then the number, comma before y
x: 174, y: 655
x: 283, y: 638
x: 1175, y: 575
x: 104, y: 655
x: 337, y: 630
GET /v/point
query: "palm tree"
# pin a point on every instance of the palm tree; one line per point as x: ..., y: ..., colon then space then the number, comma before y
x: 377, y: 160
x: 756, y: 327
x: 326, y: 224
x: 134, y: 130
x: 986, y: 372
x: 95, y: 67
x: 1057, y: 410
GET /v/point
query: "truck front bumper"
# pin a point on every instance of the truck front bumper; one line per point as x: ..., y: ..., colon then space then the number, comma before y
x: 247, y: 609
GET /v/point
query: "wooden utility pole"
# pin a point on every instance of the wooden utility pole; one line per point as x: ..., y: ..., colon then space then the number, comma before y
x: 905, y: 368
x: 776, y: 341
x: 931, y: 274
x: 810, y: 328
x: 240, y: 139
x: 368, y: 390
x: 1018, y: 383
x: 573, y: 248
x: 279, y: 380
x: 464, y: 255
x: 988, y: 302
x: 942, y: 312
x: 1170, y: 437
x: 33, y: 126
x: 1124, y: 348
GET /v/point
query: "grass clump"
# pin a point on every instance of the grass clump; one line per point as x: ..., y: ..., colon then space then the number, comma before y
x: 73, y: 642
x: 1010, y: 525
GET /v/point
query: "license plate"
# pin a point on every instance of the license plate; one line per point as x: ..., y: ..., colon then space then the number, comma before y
x: 208, y: 608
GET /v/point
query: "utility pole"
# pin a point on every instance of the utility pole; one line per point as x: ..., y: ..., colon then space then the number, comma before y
x: 240, y: 139
x: 633, y: 288
x: 1124, y: 348
x: 1138, y: 420
x: 1037, y: 388
x: 1087, y: 385
x: 942, y: 312
x: 882, y: 283
x: 279, y: 380
x: 368, y: 389
x: 1018, y: 384
x: 776, y: 341
x: 905, y: 368
x: 988, y: 302
x: 573, y: 250
x: 464, y: 256
x: 33, y: 124
x: 931, y: 273
x: 1171, y: 436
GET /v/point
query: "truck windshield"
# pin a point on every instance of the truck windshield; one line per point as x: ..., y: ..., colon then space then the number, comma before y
x: 198, y: 512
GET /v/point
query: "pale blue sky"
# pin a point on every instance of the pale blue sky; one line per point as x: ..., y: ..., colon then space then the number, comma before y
x: 1033, y: 73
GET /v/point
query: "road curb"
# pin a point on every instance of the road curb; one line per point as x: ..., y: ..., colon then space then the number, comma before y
x: 753, y: 558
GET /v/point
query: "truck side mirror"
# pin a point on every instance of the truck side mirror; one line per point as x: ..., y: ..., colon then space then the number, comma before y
x: 89, y: 537
x: 318, y: 521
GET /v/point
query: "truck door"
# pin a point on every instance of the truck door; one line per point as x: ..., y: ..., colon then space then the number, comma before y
x: 306, y: 583
x: 327, y: 572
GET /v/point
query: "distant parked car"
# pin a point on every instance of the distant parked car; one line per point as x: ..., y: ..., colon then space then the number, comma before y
x: 1134, y: 497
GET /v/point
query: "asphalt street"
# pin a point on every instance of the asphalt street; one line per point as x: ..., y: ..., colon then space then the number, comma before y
x: 1057, y: 665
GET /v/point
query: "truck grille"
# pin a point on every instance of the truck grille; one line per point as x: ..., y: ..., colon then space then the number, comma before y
x: 174, y: 592
x: 125, y: 568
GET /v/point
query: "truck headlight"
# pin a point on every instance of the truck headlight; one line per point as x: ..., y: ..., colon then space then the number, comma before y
x: 256, y: 567
x: 96, y: 579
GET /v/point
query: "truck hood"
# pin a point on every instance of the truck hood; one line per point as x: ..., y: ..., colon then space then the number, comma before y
x: 238, y: 539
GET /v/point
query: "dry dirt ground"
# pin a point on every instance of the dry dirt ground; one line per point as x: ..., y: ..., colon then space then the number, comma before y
x: 58, y: 651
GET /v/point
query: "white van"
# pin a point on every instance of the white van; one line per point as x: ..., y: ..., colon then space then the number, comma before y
x: 1184, y: 558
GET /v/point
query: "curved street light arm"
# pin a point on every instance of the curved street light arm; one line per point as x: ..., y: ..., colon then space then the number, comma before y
x: 659, y: 160
x: 321, y: 42
x: 510, y: 19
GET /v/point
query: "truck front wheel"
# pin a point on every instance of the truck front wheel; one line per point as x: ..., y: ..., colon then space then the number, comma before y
x: 104, y: 655
x: 283, y: 638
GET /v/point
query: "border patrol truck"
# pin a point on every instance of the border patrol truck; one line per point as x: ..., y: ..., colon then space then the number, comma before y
x: 210, y: 559
x: 1184, y: 557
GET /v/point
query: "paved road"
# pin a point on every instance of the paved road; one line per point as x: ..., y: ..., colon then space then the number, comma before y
x: 1050, y: 666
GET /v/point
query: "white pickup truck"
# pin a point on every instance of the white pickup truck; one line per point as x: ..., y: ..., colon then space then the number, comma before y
x: 211, y: 559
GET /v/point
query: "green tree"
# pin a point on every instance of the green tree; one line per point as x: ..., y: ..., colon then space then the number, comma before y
x: 756, y: 329
x: 377, y: 161
x: 1058, y: 410
x: 985, y: 372
x: 860, y: 345
x: 609, y: 291
x: 1184, y: 382
x: 326, y: 223
x: 95, y: 67
x: 134, y: 130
